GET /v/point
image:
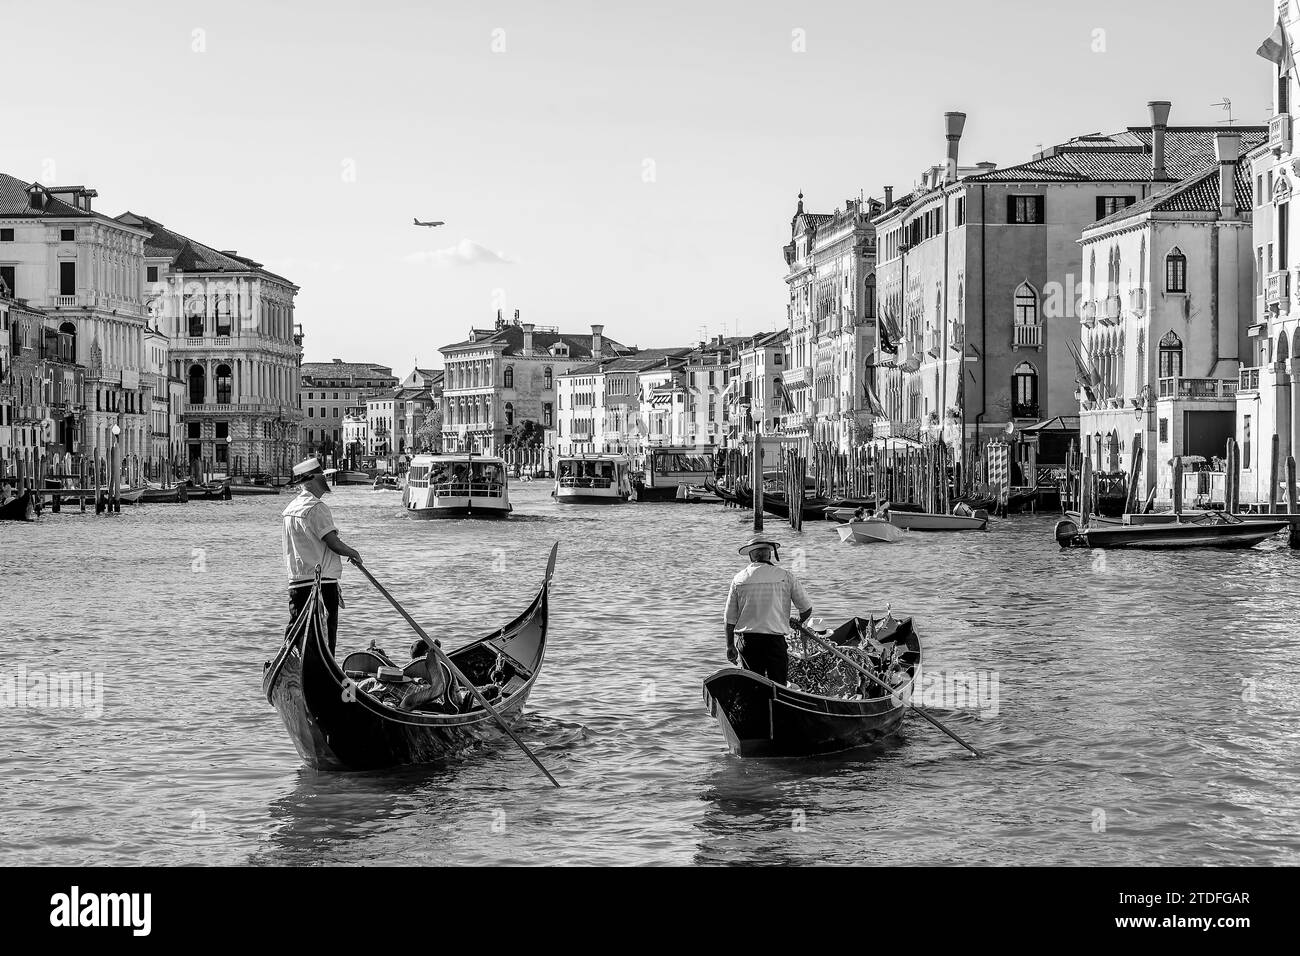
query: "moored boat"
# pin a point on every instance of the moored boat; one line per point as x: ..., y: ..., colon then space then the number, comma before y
x: 176, y: 494
x: 20, y: 508
x: 927, y: 521
x: 761, y: 718
x: 336, y: 725
x: 1211, y: 531
x: 386, y: 483
x: 346, y: 477
x: 592, y: 480
x: 457, y: 486
x: 869, y: 531
x: 671, y: 468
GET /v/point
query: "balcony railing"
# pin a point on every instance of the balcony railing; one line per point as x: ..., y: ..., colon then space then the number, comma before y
x: 1279, y: 133
x: 797, y: 375
x: 1205, y: 389
x: 1277, y: 289
x: 1248, y: 380
x: 957, y: 337
x: 224, y: 408
x: 1027, y: 336
x: 1024, y: 410
x: 65, y: 301
x: 1112, y: 309
x: 1137, y: 301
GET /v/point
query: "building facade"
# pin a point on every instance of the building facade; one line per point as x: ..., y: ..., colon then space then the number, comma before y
x: 331, y: 393
x: 508, y: 373
x: 234, y: 344
x: 166, y: 431
x: 607, y: 406
x: 1164, y: 321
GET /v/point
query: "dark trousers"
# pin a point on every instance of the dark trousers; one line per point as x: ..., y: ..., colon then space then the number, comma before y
x: 329, y: 593
x: 764, y: 654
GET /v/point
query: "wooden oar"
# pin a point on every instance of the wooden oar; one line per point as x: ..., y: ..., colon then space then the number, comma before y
x: 809, y: 632
x: 456, y: 672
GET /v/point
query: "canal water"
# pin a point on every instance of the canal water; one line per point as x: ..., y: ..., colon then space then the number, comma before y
x: 1134, y: 708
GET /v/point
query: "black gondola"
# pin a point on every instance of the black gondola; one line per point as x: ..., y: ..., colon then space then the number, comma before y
x: 761, y: 718
x: 335, y: 726
x: 19, y: 509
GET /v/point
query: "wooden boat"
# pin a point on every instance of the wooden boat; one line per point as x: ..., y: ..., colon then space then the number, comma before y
x: 761, y: 718
x: 253, y: 489
x: 1211, y: 531
x: 352, y: 478
x: 334, y: 726
x: 774, y: 503
x: 21, y: 508
x: 869, y: 531
x: 386, y: 483
x: 177, y: 494
x: 925, y: 521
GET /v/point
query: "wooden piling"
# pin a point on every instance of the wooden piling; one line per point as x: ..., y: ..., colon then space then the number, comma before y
x: 1290, y: 485
x: 1135, y: 465
x: 756, y: 473
x: 1178, y: 485
x: 1272, y: 475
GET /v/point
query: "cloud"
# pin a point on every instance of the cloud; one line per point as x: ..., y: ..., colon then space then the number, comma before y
x: 467, y: 252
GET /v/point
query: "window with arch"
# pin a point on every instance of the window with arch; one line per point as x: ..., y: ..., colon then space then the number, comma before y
x: 1175, y: 271
x: 508, y: 379
x: 1024, y: 391
x: 546, y: 377
x: 1171, y: 356
x: 510, y: 414
x: 224, y: 381
x: 197, y: 385
x: 1026, y: 302
x: 223, y: 314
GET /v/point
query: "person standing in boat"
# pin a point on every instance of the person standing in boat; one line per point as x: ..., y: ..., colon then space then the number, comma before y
x: 311, y: 540
x: 758, y: 611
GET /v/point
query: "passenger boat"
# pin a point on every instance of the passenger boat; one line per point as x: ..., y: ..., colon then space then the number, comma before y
x: 20, y: 508
x: 386, y: 483
x: 869, y: 531
x: 928, y: 521
x: 592, y: 480
x: 1211, y: 531
x: 457, y: 486
x: 670, y: 468
x: 335, y: 726
x: 761, y: 718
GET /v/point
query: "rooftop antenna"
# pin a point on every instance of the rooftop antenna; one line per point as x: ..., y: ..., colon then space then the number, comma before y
x: 1227, y: 106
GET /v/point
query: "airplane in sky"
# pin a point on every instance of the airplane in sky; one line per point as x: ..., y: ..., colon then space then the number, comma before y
x: 418, y: 223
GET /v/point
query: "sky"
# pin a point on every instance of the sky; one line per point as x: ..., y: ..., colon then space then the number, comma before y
x: 629, y: 164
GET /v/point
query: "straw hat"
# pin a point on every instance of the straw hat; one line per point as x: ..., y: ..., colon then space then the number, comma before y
x: 761, y: 540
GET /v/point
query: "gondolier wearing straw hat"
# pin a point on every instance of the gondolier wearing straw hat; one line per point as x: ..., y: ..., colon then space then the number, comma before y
x: 311, y: 541
x: 758, y: 610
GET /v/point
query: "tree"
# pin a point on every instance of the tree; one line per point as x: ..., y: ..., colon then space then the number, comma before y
x: 527, y: 434
x: 428, y: 437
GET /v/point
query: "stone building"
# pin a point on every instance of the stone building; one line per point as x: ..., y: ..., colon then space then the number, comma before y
x: 608, y: 406
x: 330, y: 392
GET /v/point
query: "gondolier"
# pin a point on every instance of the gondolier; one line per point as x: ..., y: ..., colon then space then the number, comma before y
x: 311, y: 541
x: 758, y: 610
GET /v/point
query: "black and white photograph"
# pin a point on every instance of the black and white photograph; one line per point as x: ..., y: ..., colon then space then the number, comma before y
x: 677, y: 435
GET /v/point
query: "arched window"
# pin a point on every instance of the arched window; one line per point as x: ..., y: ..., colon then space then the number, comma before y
x: 1175, y: 271
x: 197, y: 385
x: 509, y: 378
x: 1026, y: 305
x: 1024, y: 391
x: 546, y: 377
x: 68, y: 343
x: 223, y: 384
x: 510, y: 413
x: 1171, y: 356
x: 223, y: 314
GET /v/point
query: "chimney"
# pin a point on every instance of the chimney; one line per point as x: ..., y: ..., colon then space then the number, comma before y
x: 953, y: 124
x: 596, y: 331
x: 1159, y: 120
x: 1227, y: 149
x: 889, y: 198
x: 516, y: 316
x: 528, y: 337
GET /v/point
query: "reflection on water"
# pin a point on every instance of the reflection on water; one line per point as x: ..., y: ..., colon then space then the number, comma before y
x: 1148, y: 708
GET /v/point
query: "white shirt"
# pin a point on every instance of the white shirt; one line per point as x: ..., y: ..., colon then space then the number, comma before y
x: 760, y: 598
x: 307, y: 521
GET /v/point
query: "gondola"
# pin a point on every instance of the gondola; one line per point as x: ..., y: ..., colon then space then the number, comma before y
x: 335, y: 726
x: 19, y: 509
x: 1211, y: 531
x: 761, y: 718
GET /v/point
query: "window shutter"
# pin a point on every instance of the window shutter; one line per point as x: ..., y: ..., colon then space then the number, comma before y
x: 1040, y: 205
x: 1011, y: 209
x: 1101, y: 207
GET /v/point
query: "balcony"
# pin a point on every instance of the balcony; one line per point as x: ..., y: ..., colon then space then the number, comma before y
x: 1137, y: 301
x: 828, y: 407
x: 1279, y: 133
x: 1088, y: 314
x: 65, y: 301
x: 933, y: 345
x: 1027, y: 337
x: 1111, y: 311
x: 1199, y: 389
x: 1277, y: 290
x: 797, y: 377
x: 957, y: 337
x: 795, y: 421
x: 244, y: 408
x: 1248, y: 380
x: 1024, y: 410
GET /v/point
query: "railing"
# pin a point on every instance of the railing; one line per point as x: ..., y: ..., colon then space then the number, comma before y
x: 1027, y: 336
x: 1112, y: 308
x: 1024, y: 410
x: 1248, y: 380
x: 800, y: 375
x: 1137, y: 301
x: 586, y: 482
x: 469, y: 489
x: 794, y: 420
x: 957, y: 337
x: 1279, y: 133
x: 1198, y: 388
x: 932, y: 342
x: 1277, y: 289
x: 226, y: 408
x: 64, y: 301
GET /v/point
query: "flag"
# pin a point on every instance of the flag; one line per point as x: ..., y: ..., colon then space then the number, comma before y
x: 1277, y: 49
x: 787, y: 403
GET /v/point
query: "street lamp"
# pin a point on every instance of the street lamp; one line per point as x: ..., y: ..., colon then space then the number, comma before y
x: 229, y: 442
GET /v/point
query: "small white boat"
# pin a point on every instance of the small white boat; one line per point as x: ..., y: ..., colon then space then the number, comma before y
x: 592, y: 480
x: 926, y: 521
x: 457, y: 486
x: 869, y: 531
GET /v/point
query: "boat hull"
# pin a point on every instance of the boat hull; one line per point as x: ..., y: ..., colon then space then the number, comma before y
x: 334, y: 729
x: 588, y: 498
x: 1166, y: 535
x: 19, y: 509
x: 460, y: 510
x: 760, y: 718
x: 921, y: 521
x: 869, y: 531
